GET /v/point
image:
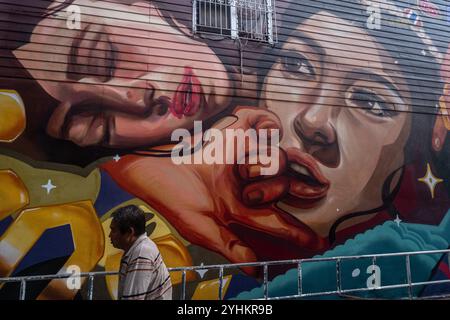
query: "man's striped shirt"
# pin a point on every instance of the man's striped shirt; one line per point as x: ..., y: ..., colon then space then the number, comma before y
x: 143, y: 274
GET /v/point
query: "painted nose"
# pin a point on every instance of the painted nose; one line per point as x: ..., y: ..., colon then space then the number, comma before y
x: 314, y: 124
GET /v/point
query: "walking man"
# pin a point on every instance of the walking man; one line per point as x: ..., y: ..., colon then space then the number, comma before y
x: 143, y: 274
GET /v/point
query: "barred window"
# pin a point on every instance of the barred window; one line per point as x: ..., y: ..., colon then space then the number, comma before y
x: 245, y: 19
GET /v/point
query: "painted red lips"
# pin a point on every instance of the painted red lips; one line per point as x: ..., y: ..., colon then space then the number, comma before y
x: 189, y: 96
x: 308, y: 185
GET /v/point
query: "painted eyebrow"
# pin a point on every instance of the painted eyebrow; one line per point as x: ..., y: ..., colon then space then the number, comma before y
x: 309, y: 41
x: 361, y: 73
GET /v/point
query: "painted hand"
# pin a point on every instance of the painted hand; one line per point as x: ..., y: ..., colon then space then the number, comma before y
x: 227, y: 208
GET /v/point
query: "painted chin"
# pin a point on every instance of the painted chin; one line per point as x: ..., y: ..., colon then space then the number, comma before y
x: 87, y: 129
x: 89, y: 125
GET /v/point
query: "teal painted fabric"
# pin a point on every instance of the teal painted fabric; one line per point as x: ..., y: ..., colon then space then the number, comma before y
x: 362, y: 273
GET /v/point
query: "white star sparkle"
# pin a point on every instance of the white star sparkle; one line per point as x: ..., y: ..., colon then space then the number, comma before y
x: 398, y: 220
x: 430, y: 180
x: 49, y: 186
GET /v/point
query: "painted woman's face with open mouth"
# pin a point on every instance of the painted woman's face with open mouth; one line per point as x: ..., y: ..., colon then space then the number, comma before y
x: 344, y: 120
x: 125, y: 79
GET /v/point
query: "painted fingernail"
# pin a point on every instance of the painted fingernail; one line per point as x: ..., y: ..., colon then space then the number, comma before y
x: 253, y: 171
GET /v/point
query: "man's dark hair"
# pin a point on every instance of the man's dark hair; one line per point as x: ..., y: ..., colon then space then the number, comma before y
x: 130, y: 217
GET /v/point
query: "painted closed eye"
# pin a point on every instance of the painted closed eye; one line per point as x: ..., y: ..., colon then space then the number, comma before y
x: 299, y: 65
x: 371, y: 102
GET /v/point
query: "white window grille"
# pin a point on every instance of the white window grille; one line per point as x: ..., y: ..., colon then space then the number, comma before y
x: 238, y: 19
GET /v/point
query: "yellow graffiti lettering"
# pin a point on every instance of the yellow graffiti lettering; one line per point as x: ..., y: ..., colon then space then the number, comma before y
x: 209, y: 290
x: 13, y: 193
x: 26, y: 230
x: 12, y: 115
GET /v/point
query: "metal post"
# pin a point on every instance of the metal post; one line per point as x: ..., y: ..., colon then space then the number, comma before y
x: 220, y: 283
x: 220, y: 15
x: 226, y: 15
x: 338, y: 275
x: 234, y: 19
x: 215, y: 14
x: 183, y: 285
x: 266, y: 285
x: 194, y: 16
x: 23, y: 288
x: 300, y: 279
x: 269, y: 21
x: 408, y: 276
x: 90, y: 287
x: 210, y: 15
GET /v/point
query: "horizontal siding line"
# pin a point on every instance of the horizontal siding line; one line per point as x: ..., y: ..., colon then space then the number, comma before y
x: 237, y: 72
x: 290, y: 6
x: 422, y: 82
x: 432, y: 28
x: 433, y: 89
x: 267, y: 52
x: 202, y: 42
x: 425, y: 109
x: 281, y: 23
x: 23, y: 10
x: 306, y: 13
x: 275, y: 55
x: 427, y: 102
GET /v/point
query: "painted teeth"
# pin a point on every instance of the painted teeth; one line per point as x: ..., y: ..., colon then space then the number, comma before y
x: 299, y: 169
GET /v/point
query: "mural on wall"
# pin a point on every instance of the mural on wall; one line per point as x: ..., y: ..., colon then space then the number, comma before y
x: 91, y: 93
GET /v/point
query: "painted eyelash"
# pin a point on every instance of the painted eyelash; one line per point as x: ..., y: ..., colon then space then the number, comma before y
x: 380, y: 101
x: 301, y: 58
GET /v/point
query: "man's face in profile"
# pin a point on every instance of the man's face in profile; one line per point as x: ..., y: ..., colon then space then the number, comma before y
x: 118, y: 239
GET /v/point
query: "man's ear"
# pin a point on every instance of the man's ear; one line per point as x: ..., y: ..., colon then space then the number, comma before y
x: 132, y: 232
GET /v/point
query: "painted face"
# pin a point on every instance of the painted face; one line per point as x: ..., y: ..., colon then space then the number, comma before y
x: 127, y: 78
x: 344, y: 118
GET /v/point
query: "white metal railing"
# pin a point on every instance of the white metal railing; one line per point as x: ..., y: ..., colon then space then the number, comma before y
x: 299, y: 262
x: 238, y: 19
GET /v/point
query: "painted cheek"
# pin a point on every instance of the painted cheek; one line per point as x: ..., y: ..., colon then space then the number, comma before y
x: 394, y: 131
x: 357, y: 158
x: 134, y: 132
